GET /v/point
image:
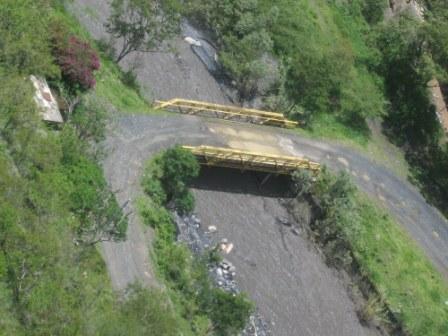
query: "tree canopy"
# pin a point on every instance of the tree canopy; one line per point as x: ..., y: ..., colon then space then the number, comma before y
x: 141, y: 25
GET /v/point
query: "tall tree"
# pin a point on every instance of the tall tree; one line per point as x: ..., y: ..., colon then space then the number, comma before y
x: 142, y: 25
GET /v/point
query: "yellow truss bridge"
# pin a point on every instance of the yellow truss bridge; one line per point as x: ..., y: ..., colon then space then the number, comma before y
x: 226, y: 112
x: 244, y: 160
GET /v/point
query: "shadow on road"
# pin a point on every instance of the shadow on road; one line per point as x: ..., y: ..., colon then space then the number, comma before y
x: 248, y: 182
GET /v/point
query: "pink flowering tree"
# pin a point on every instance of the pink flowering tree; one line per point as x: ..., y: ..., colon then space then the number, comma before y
x: 78, y: 62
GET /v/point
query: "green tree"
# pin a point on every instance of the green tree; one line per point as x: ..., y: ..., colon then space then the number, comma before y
x: 241, y: 29
x: 373, y: 10
x: 142, y: 25
x: 179, y: 168
x: 407, y: 68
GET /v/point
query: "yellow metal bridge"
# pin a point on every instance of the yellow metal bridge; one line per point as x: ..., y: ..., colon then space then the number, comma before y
x: 244, y: 160
x: 226, y: 112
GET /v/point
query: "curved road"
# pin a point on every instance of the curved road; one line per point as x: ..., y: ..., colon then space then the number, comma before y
x: 287, y: 278
x: 135, y: 138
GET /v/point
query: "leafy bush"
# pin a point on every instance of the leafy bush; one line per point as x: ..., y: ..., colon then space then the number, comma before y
x: 407, y: 70
x: 141, y: 25
x: 89, y: 119
x: 373, y: 10
x: 229, y: 312
x: 338, y: 220
x: 179, y: 168
x: 78, y: 61
x: 101, y: 218
x: 144, y: 312
x: 241, y: 29
x: 166, y: 178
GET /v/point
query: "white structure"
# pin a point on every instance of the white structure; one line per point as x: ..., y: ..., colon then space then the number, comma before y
x: 192, y: 41
x: 44, y: 99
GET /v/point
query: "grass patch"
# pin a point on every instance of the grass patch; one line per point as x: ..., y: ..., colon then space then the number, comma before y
x: 111, y: 88
x: 412, y: 288
x: 375, y: 144
x: 328, y: 126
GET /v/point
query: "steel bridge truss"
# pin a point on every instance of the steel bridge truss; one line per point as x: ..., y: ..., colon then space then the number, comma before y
x: 226, y: 112
x: 244, y: 160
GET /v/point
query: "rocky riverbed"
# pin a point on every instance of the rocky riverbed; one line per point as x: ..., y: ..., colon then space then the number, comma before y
x: 223, y: 274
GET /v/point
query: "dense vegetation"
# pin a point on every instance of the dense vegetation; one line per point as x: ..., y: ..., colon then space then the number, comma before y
x: 324, y: 64
x: 206, y: 308
x: 412, y: 53
x: 360, y: 238
x: 339, y: 64
x: 54, y: 202
x: 141, y: 25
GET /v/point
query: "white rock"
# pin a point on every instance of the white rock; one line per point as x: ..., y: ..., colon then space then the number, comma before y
x: 228, y: 248
x: 193, y: 41
x: 212, y: 229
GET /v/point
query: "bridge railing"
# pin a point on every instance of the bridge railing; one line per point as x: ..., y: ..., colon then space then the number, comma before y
x: 226, y: 112
x: 245, y: 160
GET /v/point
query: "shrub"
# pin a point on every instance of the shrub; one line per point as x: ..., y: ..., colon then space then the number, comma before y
x: 166, y: 178
x: 229, y: 313
x: 154, y: 188
x: 101, y: 218
x: 179, y: 168
x: 77, y: 60
x: 153, y: 215
x: 129, y: 78
x: 373, y: 10
x: 185, y: 202
x: 89, y: 119
x: 144, y: 312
